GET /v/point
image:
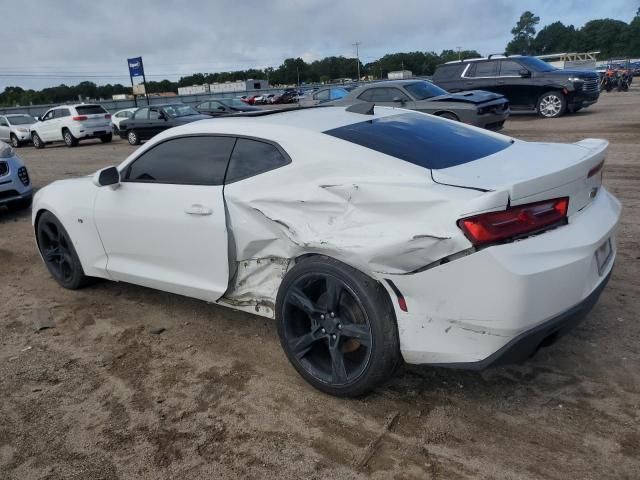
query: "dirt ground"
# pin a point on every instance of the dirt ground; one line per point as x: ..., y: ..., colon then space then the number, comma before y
x: 99, y: 396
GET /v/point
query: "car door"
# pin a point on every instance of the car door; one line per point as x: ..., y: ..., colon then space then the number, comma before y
x: 482, y: 76
x: 158, y: 121
x: 165, y: 226
x: 46, y: 128
x: 5, y: 129
x: 139, y: 123
x: 217, y: 108
x: 514, y: 86
x: 61, y: 119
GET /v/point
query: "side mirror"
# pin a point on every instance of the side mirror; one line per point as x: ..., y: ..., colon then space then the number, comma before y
x: 398, y: 100
x: 222, y: 109
x: 107, y: 177
x: 524, y: 73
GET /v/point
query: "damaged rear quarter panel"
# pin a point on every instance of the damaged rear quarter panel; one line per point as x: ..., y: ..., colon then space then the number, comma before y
x: 371, y: 211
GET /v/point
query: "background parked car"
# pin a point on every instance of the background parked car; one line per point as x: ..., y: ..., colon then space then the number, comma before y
x: 71, y: 123
x: 529, y: 83
x: 15, y: 185
x: 119, y: 116
x: 149, y: 121
x: 482, y: 109
x: 14, y: 128
x: 324, y: 95
x: 224, y: 106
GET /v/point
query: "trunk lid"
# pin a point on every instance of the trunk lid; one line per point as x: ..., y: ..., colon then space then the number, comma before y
x: 531, y: 172
x: 473, y: 96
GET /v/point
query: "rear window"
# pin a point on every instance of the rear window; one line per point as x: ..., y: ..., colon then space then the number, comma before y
x: 90, y: 109
x: 423, y: 140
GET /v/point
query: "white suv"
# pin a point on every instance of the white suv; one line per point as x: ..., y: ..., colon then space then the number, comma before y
x: 70, y: 123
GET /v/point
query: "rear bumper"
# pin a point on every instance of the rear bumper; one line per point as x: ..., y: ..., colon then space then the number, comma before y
x: 91, y: 131
x: 472, y: 310
x: 490, y: 121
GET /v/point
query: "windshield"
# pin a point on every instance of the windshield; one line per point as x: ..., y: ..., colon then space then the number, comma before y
x: 533, y: 63
x: 21, y: 120
x: 422, y: 90
x: 233, y: 102
x: 179, y: 111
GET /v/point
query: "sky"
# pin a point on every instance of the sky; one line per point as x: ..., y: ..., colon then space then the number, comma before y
x: 49, y: 42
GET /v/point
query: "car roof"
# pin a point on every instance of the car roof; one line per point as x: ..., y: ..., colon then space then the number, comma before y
x: 282, y: 123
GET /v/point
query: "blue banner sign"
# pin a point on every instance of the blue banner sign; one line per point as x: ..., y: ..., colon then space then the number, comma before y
x: 135, y: 67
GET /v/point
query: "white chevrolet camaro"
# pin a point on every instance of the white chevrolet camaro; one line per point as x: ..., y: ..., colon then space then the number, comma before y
x: 371, y: 235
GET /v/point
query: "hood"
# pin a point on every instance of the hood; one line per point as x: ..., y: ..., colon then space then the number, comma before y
x: 472, y: 96
x: 573, y: 73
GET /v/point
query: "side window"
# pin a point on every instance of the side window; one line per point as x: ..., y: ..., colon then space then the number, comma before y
x: 510, y: 68
x: 216, y: 106
x: 486, y: 69
x: 183, y: 161
x: 49, y: 115
x: 62, y: 112
x: 337, y: 93
x: 3, y: 122
x: 367, y: 95
x: 387, y: 94
x: 142, y: 114
x: 154, y: 114
x: 322, y: 95
x: 251, y: 157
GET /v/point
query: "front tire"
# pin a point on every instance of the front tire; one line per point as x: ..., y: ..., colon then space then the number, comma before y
x: 106, y: 138
x: 58, y: 253
x: 448, y: 116
x: 37, y: 141
x: 133, y: 138
x: 552, y: 104
x: 15, y: 143
x: 337, y: 327
x: 69, y: 139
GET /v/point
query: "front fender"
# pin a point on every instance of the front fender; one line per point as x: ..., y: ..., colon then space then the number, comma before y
x: 72, y: 202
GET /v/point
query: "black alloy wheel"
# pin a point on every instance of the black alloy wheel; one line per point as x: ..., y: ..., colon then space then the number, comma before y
x: 337, y: 327
x: 58, y: 253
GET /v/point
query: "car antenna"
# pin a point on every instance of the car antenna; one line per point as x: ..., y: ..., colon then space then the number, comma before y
x: 364, y: 108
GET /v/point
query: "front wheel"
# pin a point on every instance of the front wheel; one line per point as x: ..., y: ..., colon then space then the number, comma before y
x: 106, y: 138
x: 448, y: 116
x: 15, y: 143
x: 552, y: 105
x: 337, y: 327
x: 133, y: 138
x: 58, y: 253
x: 37, y: 141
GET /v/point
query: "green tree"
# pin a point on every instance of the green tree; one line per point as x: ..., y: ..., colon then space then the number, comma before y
x: 555, y: 38
x: 523, y: 34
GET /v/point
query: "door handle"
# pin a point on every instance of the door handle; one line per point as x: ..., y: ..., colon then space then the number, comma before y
x: 501, y: 82
x: 197, y: 209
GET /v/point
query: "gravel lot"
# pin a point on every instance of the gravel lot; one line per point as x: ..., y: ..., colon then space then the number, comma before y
x: 99, y: 396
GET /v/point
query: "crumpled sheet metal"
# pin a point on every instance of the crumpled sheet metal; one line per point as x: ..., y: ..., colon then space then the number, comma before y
x: 379, y: 228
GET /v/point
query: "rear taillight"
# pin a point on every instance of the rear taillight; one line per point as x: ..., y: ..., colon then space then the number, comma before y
x: 80, y: 118
x: 595, y: 169
x: 108, y: 116
x: 514, y: 222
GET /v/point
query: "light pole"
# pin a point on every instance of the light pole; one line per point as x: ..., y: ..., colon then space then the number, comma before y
x: 357, y: 45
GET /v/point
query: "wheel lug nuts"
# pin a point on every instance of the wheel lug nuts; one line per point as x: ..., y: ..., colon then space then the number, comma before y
x: 323, y: 331
x: 333, y: 314
x: 322, y: 317
x: 339, y: 326
x: 333, y: 336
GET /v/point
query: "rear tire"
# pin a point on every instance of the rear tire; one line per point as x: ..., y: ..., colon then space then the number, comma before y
x: 133, y: 138
x: 106, y: 138
x: 58, y: 253
x: 37, y: 141
x: 69, y: 139
x: 15, y: 143
x: 337, y: 327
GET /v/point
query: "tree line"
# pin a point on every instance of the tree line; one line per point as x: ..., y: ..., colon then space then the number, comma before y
x: 610, y: 37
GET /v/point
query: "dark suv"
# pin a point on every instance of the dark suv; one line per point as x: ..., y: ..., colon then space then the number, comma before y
x: 529, y: 83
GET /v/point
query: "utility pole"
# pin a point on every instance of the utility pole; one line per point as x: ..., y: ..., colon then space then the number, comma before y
x: 459, y: 53
x: 357, y: 45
